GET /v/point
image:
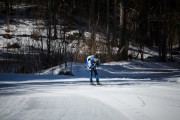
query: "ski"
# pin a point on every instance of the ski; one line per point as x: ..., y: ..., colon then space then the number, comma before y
x: 93, y: 84
x: 99, y: 84
x: 96, y: 84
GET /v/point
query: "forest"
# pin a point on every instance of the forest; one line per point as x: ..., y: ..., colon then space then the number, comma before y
x: 38, y: 34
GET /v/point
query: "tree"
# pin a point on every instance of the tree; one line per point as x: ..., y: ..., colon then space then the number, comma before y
x: 8, y: 8
x: 123, y: 50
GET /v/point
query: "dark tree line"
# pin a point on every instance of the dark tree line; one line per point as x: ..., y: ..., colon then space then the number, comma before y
x: 119, y: 24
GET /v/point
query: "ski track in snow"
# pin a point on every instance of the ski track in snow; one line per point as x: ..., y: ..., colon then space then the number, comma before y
x: 146, y: 102
x: 125, y: 94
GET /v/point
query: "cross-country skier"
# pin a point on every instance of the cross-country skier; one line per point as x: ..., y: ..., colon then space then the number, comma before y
x: 92, y: 62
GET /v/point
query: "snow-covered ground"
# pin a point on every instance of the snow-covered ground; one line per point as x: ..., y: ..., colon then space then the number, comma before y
x: 131, y: 90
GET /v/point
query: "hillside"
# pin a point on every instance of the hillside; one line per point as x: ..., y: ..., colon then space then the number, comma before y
x: 35, y: 35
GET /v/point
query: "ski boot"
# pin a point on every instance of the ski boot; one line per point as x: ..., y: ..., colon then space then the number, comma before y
x: 98, y: 83
x: 92, y: 83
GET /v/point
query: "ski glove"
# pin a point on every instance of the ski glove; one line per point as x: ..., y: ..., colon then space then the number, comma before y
x: 92, y: 67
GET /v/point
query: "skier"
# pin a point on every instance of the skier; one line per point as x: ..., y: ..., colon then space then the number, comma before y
x: 92, y: 62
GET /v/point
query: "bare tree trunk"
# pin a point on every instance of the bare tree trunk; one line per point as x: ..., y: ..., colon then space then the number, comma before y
x: 108, y: 43
x: 179, y: 43
x: 120, y: 33
x: 114, y: 23
x: 54, y: 13
x: 164, y: 32
x: 124, y: 45
x: 172, y: 29
x: 8, y: 6
x: 92, y: 16
x: 49, y: 5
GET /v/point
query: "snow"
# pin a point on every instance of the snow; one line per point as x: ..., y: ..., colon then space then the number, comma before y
x: 132, y: 90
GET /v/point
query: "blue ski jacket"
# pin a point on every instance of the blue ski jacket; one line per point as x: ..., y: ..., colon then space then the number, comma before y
x: 92, y: 62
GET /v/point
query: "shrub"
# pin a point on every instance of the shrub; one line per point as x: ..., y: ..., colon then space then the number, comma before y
x: 65, y: 72
x: 35, y: 35
x: 7, y: 36
x: 15, y: 45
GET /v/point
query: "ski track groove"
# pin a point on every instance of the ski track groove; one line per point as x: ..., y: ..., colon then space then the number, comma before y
x: 134, y: 111
x: 143, y: 103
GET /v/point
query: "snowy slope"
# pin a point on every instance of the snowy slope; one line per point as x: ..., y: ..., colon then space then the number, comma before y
x: 132, y: 90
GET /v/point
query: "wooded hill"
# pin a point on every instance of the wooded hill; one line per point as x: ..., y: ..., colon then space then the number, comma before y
x: 108, y: 27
